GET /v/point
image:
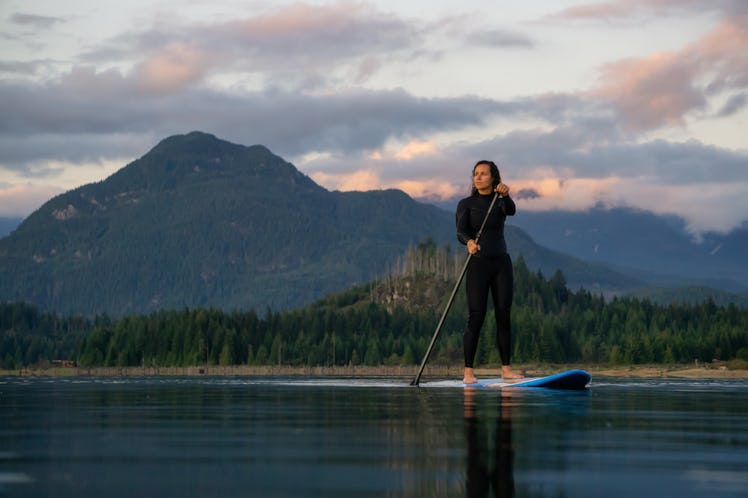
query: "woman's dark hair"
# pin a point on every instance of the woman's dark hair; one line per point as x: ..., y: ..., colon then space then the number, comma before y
x: 495, y: 175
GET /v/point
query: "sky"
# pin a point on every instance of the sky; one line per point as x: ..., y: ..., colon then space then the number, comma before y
x: 635, y: 103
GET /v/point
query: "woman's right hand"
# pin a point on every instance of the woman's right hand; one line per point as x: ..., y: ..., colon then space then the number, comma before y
x: 473, y: 246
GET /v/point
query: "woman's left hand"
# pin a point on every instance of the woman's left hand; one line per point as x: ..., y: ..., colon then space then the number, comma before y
x: 502, y: 189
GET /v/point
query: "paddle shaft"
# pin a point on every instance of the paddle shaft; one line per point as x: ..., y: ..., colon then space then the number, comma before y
x: 417, y: 379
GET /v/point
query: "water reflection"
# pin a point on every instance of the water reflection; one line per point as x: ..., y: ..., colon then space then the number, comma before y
x: 490, y: 465
x: 279, y: 437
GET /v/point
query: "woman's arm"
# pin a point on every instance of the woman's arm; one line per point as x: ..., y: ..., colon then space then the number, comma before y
x: 508, y: 205
x: 465, y: 232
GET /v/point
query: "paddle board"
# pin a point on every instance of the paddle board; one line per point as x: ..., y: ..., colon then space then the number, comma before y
x: 570, y: 379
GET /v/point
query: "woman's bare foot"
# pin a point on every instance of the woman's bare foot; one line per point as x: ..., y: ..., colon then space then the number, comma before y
x: 469, y: 376
x: 508, y: 374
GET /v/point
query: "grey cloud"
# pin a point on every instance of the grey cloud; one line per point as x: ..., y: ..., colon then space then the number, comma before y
x: 288, y: 123
x: 343, y: 34
x: 690, y: 162
x: 500, y: 38
x: 326, y: 37
x: 22, y: 67
x: 527, y: 193
x: 623, y: 9
x: 34, y: 20
x: 567, y: 150
x: 18, y: 152
x: 733, y: 105
x: 529, y: 153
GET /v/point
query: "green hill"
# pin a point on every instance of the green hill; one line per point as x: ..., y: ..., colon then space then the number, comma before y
x: 388, y: 321
x: 203, y: 222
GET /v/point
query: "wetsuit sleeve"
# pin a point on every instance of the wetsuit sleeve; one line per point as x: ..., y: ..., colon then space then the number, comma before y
x: 509, y: 207
x: 465, y: 232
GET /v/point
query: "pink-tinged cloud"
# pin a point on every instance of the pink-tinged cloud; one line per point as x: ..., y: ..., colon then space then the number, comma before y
x: 171, y: 68
x: 652, y: 91
x: 300, y: 20
x: 339, y: 30
x: 662, y: 88
x: 434, y: 189
x: 726, y: 47
x: 416, y: 148
x: 598, y: 10
x: 628, y: 8
x: 554, y: 192
x: 429, y: 190
x: 579, y: 194
x: 19, y: 200
x: 361, y: 180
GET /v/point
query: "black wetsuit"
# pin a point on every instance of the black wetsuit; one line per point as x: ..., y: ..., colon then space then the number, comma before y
x: 489, y: 269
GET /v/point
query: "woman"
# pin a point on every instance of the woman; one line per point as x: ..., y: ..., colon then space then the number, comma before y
x: 490, y: 266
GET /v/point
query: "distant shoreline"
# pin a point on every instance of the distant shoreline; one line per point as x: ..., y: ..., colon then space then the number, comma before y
x: 705, y: 371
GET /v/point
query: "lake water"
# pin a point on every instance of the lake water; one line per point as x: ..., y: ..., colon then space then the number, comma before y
x: 296, y: 436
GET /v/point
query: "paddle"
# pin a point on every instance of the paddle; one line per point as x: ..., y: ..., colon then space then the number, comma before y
x: 452, y: 297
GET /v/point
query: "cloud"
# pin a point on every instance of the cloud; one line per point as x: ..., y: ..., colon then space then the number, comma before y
x: 367, y: 68
x: 33, y: 20
x: 662, y: 89
x: 360, y: 180
x: 368, y: 179
x: 721, y: 54
x: 19, y: 200
x: 572, y: 194
x: 429, y: 190
x: 24, y: 68
x: 171, y: 68
x: 527, y: 193
x: 700, y: 204
x: 652, y: 91
x: 623, y: 9
x: 499, y: 38
x: 557, y: 169
x: 564, y: 152
x: 47, y: 154
x: 416, y: 148
x: 89, y: 104
x: 734, y: 104
x: 286, y: 47
x: 292, y: 78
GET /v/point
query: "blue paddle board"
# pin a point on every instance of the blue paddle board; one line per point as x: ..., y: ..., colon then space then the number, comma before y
x: 570, y: 379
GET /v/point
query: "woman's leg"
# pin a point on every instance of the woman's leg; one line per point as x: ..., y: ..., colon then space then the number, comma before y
x: 476, y: 287
x: 502, y: 291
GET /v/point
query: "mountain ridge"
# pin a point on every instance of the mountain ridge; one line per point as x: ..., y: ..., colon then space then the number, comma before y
x: 201, y: 222
x: 198, y: 221
x: 653, y: 247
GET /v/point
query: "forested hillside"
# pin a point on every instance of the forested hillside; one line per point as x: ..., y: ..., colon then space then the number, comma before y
x: 201, y: 222
x: 389, y: 321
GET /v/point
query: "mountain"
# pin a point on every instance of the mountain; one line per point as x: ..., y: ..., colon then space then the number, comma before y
x: 201, y: 222
x: 7, y: 225
x: 692, y: 295
x: 656, y: 249
x: 732, y: 246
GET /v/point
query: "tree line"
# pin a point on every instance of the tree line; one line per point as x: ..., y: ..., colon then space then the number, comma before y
x: 366, y: 325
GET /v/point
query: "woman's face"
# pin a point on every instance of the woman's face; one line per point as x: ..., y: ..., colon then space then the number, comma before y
x: 482, y: 178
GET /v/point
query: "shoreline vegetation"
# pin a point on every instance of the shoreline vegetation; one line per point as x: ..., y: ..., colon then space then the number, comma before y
x: 718, y: 370
x: 383, y: 328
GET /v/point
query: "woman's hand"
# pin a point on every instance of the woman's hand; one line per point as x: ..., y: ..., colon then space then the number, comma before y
x: 502, y: 189
x: 473, y: 246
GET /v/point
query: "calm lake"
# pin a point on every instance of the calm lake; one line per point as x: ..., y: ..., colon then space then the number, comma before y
x: 299, y: 436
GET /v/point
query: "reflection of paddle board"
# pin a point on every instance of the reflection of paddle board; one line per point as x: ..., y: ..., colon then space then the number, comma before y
x: 571, y: 379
